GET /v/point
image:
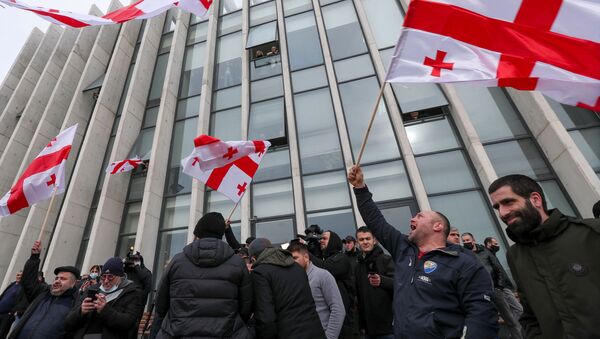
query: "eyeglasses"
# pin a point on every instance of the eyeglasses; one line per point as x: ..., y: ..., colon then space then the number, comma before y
x: 108, y: 277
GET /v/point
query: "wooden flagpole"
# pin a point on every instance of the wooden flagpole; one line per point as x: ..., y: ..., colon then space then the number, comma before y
x: 373, y: 114
x: 233, y: 210
x: 47, y: 214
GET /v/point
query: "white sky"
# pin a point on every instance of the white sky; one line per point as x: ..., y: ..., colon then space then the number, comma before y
x: 16, y: 24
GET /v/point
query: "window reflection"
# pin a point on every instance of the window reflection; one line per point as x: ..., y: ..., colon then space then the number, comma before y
x: 431, y: 136
x: 170, y: 243
x: 383, y: 17
x: 278, y: 231
x: 304, y: 46
x: 327, y: 190
x: 226, y: 125
x: 389, y: 180
x: 309, y: 78
x: 445, y: 172
x: 341, y: 222
x: 267, y: 120
x: 193, y: 69
x: 274, y: 165
x: 519, y: 156
x: 343, y: 30
x: 272, y: 198
x: 228, y: 69
x: 177, y: 212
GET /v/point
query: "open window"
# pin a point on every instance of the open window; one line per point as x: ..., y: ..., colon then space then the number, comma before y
x: 422, y: 115
x: 263, y: 43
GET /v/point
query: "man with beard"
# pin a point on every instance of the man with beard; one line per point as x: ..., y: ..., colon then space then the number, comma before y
x: 438, y: 288
x: 44, y: 318
x: 554, y: 261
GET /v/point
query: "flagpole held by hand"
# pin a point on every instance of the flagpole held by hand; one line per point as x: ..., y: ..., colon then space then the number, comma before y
x: 232, y: 210
x: 373, y: 114
x: 47, y: 214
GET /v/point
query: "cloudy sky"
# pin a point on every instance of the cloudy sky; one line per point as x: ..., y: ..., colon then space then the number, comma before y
x: 15, y: 25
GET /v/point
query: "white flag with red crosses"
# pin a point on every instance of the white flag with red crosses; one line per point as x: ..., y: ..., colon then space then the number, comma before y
x: 225, y: 166
x: 552, y: 46
x: 45, y: 174
x: 123, y: 166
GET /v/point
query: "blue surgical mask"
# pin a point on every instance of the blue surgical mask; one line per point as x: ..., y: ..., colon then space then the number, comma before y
x: 93, y: 275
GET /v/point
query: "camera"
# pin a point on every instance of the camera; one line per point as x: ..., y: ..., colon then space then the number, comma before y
x: 312, y: 237
x: 371, y: 268
x: 92, y: 292
x: 131, y: 258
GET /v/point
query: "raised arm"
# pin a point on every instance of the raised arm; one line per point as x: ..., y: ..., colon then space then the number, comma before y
x: 29, y: 280
x: 230, y: 237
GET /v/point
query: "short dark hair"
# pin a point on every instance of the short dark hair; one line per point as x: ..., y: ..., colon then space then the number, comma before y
x: 363, y: 229
x: 596, y: 209
x: 522, y: 185
x: 469, y: 234
x: 296, y: 246
x: 445, y: 222
x: 487, y: 240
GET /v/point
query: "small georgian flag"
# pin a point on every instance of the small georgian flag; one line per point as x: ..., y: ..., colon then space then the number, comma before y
x: 122, y: 166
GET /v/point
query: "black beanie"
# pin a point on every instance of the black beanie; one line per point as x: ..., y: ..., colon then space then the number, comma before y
x: 211, y: 225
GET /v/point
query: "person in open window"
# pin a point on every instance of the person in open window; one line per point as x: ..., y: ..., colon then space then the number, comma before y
x: 273, y: 51
x: 259, y: 54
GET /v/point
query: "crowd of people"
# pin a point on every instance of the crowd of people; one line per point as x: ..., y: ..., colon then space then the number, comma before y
x: 376, y: 283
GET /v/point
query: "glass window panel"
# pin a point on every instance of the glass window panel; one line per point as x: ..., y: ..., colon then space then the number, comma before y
x: 158, y: 78
x: 227, y: 125
x: 274, y: 165
x: 197, y: 33
x: 263, y: 13
x: 491, y: 112
x: 143, y: 145
x: 228, y: 6
x: 236, y: 228
x: 357, y: 99
x: 170, y: 21
x: 267, y: 120
x: 195, y: 19
x: 272, y: 198
x: 266, y: 89
x: 572, y: 116
x: 296, y: 6
x: 262, y: 34
x: 341, y: 222
x: 178, y: 182
x: 588, y: 141
x: 125, y: 243
x: 229, y: 61
x: 327, y: 190
x: 325, y: 2
x: 265, y: 67
x: 230, y: 23
x: 132, y: 217
x: 183, y: 135
x: 177, y: 212
x: 188, y: 108
x: 555, y: 198
x: 257, y: 2
x: 115, y: 127
x: 388, y: 181
x: 150, y: 117
x: 303, y: 41
x: 399, y: 217
x: 343, y: 30
x: 193, y: 70
x: 226, y: 98
x: 517, y: 157
x: 431, y: 136
x: 170, y: 243
x: 445, y: 172
x: 217, y: 202
x: 353, y: 68
x: 165, y: 43
x: 278, y: 231
x: 136, y: 188
x: 141, y: 32
x: 384, y: 16
x: 309, y: 78
x: 317, y: 132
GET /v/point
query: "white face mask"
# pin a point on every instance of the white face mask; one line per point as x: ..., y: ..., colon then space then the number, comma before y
x: 93, y: 275
x: 112, y: 289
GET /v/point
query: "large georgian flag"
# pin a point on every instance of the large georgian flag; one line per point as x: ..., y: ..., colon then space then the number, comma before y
x: 45, y: 174
x: 225, y: 166
x: 552, y: 46
x: 123, y: 166
x: 141, y: 9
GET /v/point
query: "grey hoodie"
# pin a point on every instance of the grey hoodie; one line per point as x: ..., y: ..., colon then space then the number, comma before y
x: 328, y: 300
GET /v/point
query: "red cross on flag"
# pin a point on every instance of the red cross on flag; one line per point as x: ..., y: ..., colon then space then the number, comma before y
x: 552, y: 46
x: 122, y: 166
x: 225, y: 166
x: 45, y: 174
x: 141, y: 9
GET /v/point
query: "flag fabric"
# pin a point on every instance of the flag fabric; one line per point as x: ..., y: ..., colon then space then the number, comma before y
x: 552, y: 46
x: 123, y: 166
x: 141, y: 9
x: 225, y: 166
x: 45, y: 174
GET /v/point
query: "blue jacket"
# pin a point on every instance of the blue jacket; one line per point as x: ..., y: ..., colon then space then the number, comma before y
x: 438, y: 295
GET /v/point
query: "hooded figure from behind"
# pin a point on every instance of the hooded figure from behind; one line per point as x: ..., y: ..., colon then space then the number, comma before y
x: 205, y: 290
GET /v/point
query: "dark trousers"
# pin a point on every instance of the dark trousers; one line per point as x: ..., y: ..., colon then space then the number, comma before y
x: 6, y: 321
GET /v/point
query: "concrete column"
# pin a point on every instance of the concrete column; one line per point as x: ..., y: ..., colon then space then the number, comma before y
x: 149, y: 222
x: 245, y: 209
x: 79, y: 111
x: 21, y: 95
x: 107, y: 221
x: 573, y: 170
x: 12, y: 78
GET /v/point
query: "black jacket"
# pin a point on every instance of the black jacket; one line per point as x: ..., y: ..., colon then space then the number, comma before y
x: 375, y: 303
x: 206, y: 291
x: 438, y: 295
x: 44, y: 318
x: 492, y: 265
x: 284, y: 306
x: 142, y: 279
x: 117, y: 318
x: 556, y: 267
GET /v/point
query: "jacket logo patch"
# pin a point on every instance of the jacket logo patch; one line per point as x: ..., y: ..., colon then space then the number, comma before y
x: 578, y: 269
x: 424, y: 279
x: 429, y: 266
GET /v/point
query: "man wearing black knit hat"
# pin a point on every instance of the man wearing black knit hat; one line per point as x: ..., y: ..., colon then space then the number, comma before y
x: 205, y: 290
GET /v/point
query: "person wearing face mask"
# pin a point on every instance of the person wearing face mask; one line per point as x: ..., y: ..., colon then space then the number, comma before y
x: 90, y: 280
x: 110, y: 311
x: 554, y: 261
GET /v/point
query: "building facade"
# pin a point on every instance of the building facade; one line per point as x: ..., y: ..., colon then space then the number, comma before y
x: 303, y: 74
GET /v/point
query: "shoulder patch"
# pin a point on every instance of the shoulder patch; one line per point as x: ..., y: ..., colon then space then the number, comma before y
x: 429, y: 266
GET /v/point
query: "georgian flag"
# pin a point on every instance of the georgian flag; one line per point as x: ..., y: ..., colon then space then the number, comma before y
x: 122, y: 166
x: 45, y: 174
x: 141, y: 9
x: 552, y: 46
x: 225, y: 166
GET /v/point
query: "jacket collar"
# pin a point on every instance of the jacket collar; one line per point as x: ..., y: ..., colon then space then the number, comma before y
x: 552, y: 227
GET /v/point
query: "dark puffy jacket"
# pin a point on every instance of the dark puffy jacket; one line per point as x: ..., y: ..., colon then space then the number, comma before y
x: 556, y: 267
x: 206, y: 292
x: 117, y: 318
x: 284, y: 306
x: 375, y: 303
x: 492, y: 265
x: 142, y: 278
x: 438, y: 295
x: 44, y: 318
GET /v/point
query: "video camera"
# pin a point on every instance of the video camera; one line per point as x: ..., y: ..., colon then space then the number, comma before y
x: 131, y: 258
x: 312, y: 237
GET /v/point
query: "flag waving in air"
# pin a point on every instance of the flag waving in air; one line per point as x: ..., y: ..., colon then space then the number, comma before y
x: 225, y: 166
x: 45, y: 174
x: 552, y: 46
x: 122, y: 166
